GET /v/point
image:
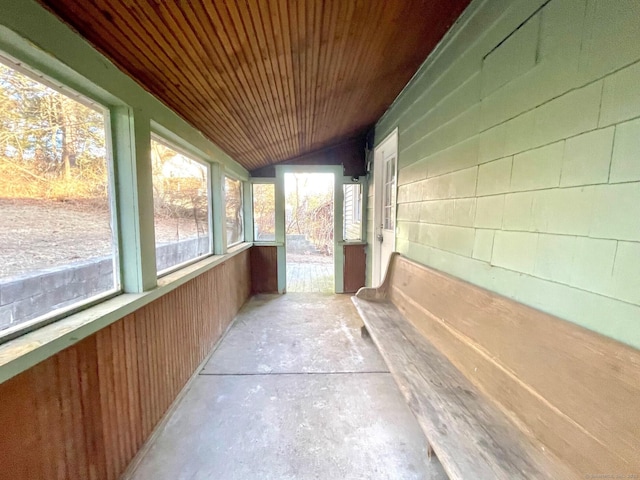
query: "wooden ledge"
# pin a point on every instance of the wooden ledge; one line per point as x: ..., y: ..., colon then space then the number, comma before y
x: 24, y: 352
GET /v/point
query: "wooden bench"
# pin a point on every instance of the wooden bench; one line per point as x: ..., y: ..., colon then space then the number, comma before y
x: 501, y: 390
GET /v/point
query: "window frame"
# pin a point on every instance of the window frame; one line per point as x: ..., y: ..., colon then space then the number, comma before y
x: 159, y: 135
x: 361, y: 225
x: 104, y: 105
x: 229, y: 175
x: 263, y: 181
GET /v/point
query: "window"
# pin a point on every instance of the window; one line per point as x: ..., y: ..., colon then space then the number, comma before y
x: 352, y: 212
x: 233, y: 210
x: 264, y: 212
x: 180, y: 206
x: 57, y: 238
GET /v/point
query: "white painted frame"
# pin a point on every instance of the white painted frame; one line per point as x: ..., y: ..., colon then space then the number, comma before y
x: 378, y: 176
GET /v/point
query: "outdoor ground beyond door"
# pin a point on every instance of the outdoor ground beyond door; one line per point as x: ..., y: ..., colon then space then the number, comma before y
x: 309, y: 202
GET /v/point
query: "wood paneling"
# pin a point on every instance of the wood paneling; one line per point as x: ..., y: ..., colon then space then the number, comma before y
x: 355, y: 266
x: 573, y: 390
x: 267, y: 80
x: 264, y: 269
x: 85, y: 412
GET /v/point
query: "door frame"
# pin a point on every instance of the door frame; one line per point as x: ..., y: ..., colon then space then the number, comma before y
x: 338, y: 234
x: 391, y: 140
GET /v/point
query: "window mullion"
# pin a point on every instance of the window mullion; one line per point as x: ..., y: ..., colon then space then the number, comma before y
x: 247, y: 205
x: 217, y: 207
x: 132, y: 156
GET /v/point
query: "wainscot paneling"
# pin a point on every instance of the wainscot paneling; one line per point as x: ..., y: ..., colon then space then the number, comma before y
x: 85, y: 412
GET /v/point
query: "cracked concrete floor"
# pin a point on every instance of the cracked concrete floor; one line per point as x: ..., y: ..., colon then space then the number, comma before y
x: 292, y: 392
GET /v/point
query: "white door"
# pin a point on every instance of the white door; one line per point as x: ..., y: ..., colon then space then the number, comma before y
x: 385, y: 160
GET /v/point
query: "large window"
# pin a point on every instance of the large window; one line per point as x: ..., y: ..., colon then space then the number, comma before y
x: 57, y: 239
x: 181, y: 206
x: 352, y: 212
x: 233, y: 210
x: 264, y: 212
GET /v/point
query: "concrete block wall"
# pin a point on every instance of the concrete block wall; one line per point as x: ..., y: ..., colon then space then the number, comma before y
x: 26, y: 297
x: 519, y: 158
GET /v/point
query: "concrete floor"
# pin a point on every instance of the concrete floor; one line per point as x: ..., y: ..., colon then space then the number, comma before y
x: 292, y: 392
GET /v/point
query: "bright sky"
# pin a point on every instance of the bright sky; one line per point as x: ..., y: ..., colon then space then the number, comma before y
x: 309, y: 183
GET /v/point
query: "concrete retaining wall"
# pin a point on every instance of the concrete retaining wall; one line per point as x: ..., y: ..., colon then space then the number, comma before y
x: 25, y: 297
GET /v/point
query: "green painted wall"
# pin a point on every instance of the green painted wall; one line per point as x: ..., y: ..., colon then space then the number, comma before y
x: 519, y: 157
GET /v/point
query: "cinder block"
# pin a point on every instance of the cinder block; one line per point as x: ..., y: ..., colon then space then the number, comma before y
x: 412, y: 173
x: 492, y: 143
x: 464, y: 212
x: 561, y: 30
x: 611, y: 37
x: 537, y: 169
x: 437, y: 211
x: 106, y: 266
x: 515, y: 251
x: 569, y: 115
x: 459, y: 157
x: 454, y: 239
x: 617, y: 212
x: 518, y: 211
x: 455, y: 131
x: 511, y: 58
x: 489, y: 211
x: 458, y: 184
x: 6, y: 316
x: 566, y: 211
x: 625, y: 164
x: 626, y: 272
x: 459, y: 100
x: 425, y: 234
x: 520, y: 133
x: 403, y: 211
x: 414, y: 231
x: 495, y: 177
x: 433, y: 109
x: 554, y: 257
x: 483, y: 245
x: 402, y: 231
x: 593, y: 264
x: 21, y: 289
x: 621, y: 96
x: 587, y: 158
x: 409, y: 212
x: 403, y: 194
x: 414, y: 191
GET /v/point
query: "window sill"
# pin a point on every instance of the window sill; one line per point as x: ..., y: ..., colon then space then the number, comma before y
x: 24, y: 352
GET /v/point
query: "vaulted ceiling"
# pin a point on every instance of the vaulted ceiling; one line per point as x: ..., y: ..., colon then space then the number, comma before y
x: 267, y: 80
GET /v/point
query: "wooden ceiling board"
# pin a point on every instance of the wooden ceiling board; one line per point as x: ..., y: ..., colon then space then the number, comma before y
x: 267, y: 80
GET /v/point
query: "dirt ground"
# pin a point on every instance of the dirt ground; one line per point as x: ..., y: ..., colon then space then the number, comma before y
x: 37, y: 234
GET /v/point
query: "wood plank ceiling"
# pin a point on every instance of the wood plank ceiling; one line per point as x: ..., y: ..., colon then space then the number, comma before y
x: 267, y: 80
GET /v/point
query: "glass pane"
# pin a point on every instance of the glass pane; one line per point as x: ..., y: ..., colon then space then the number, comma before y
x: 264, y: 212
x: 233, y: 210
x: 352, y: 212
x: 180, y: 206
x: 57, y: 247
